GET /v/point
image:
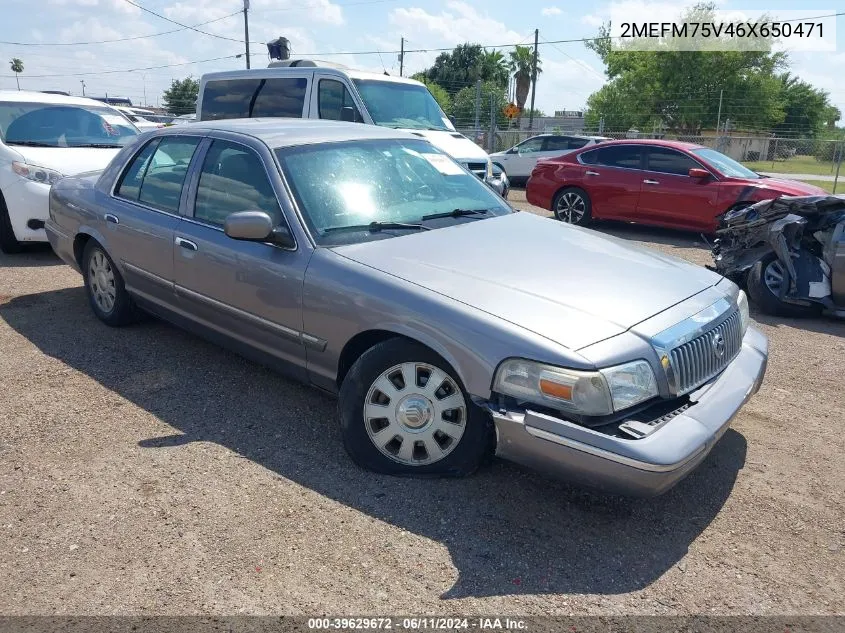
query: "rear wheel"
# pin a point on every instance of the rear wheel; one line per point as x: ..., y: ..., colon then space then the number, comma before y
x: 572, y: 205
x: 8, y: 242
x: 105, y: 288
x: 403, y: 411
x: 765, y: 280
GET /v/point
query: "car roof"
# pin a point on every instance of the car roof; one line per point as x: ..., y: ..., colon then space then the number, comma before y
x: 31, y: 96
x: 653, y: 142
x: 281, y: 132
x: 283, y: 71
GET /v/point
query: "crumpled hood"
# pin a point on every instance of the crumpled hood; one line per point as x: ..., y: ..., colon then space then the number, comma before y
x: 571, y: 285
x: 455, y: 144
x: 68, y: 161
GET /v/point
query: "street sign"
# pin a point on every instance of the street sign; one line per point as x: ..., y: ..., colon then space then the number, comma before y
x: 511, y: 110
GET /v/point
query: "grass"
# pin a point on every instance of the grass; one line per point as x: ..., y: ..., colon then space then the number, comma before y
x: 794, y: 165
x: 827, y: 186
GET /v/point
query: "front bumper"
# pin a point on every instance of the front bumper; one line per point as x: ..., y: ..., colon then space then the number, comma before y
x: 27, y: 201
x: 642, y: 467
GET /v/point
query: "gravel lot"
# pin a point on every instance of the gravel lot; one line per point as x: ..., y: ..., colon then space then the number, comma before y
x: 144, y: 471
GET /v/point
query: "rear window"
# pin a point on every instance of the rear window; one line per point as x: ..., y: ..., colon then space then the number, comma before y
x: 254, y: 97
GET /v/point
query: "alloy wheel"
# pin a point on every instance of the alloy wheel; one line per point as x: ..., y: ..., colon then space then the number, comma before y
x: 571, y: 207
x: 773, y: 277
x: 101, y: 281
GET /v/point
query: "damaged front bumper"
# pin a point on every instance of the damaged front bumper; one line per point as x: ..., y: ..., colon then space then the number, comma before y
x: 647, y: 466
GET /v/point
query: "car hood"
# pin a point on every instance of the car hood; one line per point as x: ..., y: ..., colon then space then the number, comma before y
x: 571, y: 285
x: 788, y: 187
x: 68, y: 161
x: 455, y: 144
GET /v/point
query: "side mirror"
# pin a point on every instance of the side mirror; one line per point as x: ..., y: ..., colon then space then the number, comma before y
x: 347, y: 113
x: 697, y: 172
x: 452, y: 121
x: 256, y: 226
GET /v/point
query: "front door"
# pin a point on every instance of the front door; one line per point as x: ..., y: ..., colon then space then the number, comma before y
x: 521, y: 163
x: 248, y: 291
x: 670, y: 197
x: 140, y: 227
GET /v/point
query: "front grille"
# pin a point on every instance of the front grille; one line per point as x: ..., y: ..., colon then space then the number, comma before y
x: 697, y: 361
x: 479, y: 169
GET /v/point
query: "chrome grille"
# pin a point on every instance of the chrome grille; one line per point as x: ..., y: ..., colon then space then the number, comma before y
x: 697, y: 361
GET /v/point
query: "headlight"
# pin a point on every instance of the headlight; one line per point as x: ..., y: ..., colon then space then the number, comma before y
x: 585, y: 392
x: 742, y: 304
x: 36, y: 174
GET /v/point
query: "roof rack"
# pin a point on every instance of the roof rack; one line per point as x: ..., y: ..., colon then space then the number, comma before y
x: 305, y: 63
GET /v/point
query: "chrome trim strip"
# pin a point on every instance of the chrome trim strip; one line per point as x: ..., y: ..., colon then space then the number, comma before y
x: 613, y: 457
x: 302, y: 338
x: 145, y: 274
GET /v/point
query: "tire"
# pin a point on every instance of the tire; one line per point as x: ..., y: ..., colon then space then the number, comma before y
x: 572, y: 205
x: 765, y: 298
x: 101, y: 276
x: 8, y: 242
x: 414, y: 413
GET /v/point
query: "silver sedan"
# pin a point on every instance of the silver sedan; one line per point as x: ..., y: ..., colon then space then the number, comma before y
x: 368, y: 263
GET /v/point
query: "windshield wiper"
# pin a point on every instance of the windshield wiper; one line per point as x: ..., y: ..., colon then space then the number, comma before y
x: 100, y: 145
x: 377, y: 226
x: 31, y: 143
x: 455, y: 213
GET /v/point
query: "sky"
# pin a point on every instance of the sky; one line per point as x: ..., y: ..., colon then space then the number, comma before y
x: 363, y: 34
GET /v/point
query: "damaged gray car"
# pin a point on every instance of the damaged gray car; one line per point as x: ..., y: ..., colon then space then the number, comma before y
x: 789, y: 252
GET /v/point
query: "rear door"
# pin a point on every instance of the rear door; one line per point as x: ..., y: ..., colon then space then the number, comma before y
x: 670, y: 197
x: 248, y: 291
x: 612, y: 176
x: 140, y: 227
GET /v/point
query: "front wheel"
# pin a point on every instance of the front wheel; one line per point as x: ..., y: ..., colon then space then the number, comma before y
x: 8, y: 242
x: 403, y: 411
x: 764, y: 283
x: 572, y: 205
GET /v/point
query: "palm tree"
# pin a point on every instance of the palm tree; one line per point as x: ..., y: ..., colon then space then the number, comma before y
x: 17, y: 67
x: 521, y: 63
x: 493, y: 67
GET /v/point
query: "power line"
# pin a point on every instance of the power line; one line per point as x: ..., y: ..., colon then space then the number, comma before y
x: 132, y: 70
x: 158, y: 15
x: 122, y: 39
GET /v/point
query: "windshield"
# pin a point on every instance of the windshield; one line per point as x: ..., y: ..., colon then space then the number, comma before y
x: 356, y: 183
x: 725, y: 164
x: 400, y: 105
x: 49, y: 125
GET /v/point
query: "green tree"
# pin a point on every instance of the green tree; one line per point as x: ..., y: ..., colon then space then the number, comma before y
x: 680, y: 89
x: 181, y: 97
x: 17, y: 68
x: 521, y: 63
x: 464, y: 65
x: 494, y: 68
x: 463, y: 105
x: 807, y: 110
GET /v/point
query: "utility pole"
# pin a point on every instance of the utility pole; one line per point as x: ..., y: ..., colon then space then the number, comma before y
x: 246, y: 30
x: 82, y: 81
x: 477, y: 106
x: 401, y: 56
x: 533, y: 79
x: 719, y: 116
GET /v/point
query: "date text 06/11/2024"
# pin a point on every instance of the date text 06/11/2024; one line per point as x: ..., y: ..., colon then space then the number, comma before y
x: 415, y: 623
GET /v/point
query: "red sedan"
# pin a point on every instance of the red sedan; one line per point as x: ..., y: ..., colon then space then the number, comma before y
x: 663, y: 183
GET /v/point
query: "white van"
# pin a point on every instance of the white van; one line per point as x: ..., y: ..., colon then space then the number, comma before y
x: 304, y: 88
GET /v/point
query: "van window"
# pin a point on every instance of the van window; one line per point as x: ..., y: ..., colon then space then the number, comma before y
x: 253, y: 97
x: 332, y: 98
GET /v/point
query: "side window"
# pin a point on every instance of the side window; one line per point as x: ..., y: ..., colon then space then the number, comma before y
x: 558, y: 143
x: 670, y: 161
x: 577, y: 143
x: 284, y: 97
x: 245, y: 98
x: 130, y: 182
x: 332, y: 98
x: 620, y: 156
x: 531, y: 145
x: 161, y: 186
x: 589, y: 158
x: 233, y: 179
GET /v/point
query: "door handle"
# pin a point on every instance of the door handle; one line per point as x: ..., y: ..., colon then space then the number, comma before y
x: 593, y: 173
x: 110, y: 217
x: 186, y: 244
x: 651, y: 182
